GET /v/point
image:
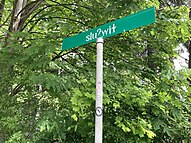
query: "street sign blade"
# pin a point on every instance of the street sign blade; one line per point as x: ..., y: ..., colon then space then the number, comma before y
x: 127, y: 23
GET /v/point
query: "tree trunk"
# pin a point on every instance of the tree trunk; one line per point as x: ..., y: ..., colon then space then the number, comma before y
x: 21, y: 11
x: 16, y: 15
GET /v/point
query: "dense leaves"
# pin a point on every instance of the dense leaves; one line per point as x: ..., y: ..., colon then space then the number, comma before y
x: 48, y: 95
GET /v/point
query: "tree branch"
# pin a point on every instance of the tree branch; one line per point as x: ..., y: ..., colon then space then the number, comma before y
x: 34, y: 17
x: 61, y: 54
x: 16, y: 89
x: 6, y: 20
x: 49, y: 6
x: 29, y: 9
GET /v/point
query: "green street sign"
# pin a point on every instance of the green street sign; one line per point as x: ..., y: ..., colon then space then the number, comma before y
x: 130, y: 22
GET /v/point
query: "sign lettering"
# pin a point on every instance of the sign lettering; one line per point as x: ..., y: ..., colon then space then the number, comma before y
x: 101, y: 33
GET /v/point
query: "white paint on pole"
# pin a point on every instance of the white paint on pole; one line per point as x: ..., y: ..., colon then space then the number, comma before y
x: 99, y: 92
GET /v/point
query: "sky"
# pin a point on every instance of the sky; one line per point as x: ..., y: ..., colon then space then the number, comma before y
x: 182, y: 60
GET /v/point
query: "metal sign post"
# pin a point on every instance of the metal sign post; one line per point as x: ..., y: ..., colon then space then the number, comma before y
x: 99, y: 92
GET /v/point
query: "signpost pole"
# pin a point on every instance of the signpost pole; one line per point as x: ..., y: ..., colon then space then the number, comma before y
x: 99, y: 92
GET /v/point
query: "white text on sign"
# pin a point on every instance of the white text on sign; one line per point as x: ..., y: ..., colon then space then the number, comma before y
x: 100, y: 33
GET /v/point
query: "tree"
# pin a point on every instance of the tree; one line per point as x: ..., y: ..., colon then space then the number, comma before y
x: 48, y: 95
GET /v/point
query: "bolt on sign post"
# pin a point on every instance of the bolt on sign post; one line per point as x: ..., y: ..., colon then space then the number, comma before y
x: 97, y: 34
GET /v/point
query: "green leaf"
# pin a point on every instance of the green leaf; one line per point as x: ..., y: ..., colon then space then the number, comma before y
x: 74, y: 117
x: 116, y: 104
x: 150, y: 134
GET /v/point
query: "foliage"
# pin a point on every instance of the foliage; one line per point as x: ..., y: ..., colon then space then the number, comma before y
x: 48, y: 95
